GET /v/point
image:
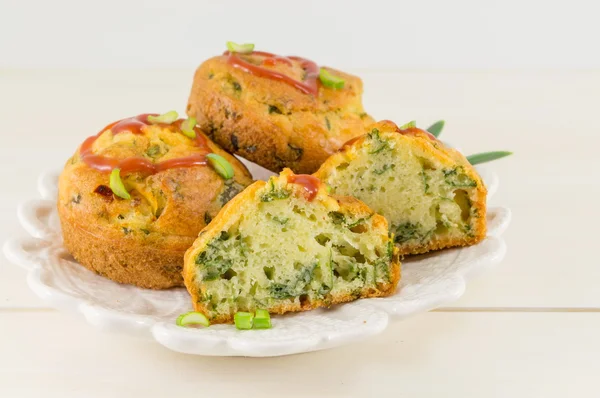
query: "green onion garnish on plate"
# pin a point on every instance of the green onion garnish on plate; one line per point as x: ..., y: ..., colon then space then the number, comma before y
x: 192, y: 318
x: 187, y: 127
x: 487, y: 156
x: 243, y: 320
x: 165, y: 118
x: 436, y: 128
x: 262, y: 319
x: 240, y: 48
x: 221, y: 165
x: 330, y: 80
x: 116, y: 184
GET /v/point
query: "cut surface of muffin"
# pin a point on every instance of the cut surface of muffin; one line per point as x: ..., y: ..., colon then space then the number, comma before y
x: 429, y: 193
x: 287, y: 245
x: 274, y: 110
x: 173, y: 191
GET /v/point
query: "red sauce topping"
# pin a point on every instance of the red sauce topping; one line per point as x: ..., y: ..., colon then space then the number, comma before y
x: 308, y: 182
x: 350, y: 142
x: 308, y: 86
x: 388, y: 123
x: 409, y: 131
x: 135, y: 125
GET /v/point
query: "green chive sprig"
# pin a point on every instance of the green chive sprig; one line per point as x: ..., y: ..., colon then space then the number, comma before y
x: 487, y: 157
x: 436, y: 128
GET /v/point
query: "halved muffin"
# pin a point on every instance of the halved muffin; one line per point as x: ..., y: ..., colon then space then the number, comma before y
x: 429, y: 193
x: 274, y: 110
x: 287, y: 245
x: 173, y: 193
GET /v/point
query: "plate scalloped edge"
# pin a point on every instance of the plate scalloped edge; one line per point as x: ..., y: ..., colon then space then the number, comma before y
x: 428, y: 281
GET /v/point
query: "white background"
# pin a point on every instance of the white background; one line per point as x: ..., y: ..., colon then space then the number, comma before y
x: 424, y: 34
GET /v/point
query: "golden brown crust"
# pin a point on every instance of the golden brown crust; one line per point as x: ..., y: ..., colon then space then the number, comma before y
x: 447, y: 157
x: 241, y: 204
x: 125, y: 260
x: 272, y: 123
x: 141, y: 241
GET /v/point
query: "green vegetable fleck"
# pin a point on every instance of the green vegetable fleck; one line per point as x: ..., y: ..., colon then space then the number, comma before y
x: 165, y: 118
x: 262, y: 319
x: 330, y: 80
x: 192, y: 318
x: 187, y: 127
x: 408, y: 125
x: 240, y: 48
x: 221, y: 165
x: 116, y: 184
x: 243, y: 320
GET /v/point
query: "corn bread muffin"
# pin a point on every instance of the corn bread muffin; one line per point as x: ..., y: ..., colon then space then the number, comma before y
x: 275, y: 110
x: 133, y: 198
x: 430, y: 195
x: 287, y: 245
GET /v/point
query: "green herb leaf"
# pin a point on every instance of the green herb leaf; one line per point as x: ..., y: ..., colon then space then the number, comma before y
x: 487, y: 156
x: 116, y: 185
x: 240, y: 48
x: 243, y: 320
x: 436, y: 128
x: 221, y: 165
x: 165, y: 118
x: 192, y: 318
x: 330, y: 80
x: 187, y: 127
x: 408, y: 125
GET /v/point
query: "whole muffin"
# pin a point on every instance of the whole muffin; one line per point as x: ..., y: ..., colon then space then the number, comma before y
x: 276, y: 111
x: 173, y: 188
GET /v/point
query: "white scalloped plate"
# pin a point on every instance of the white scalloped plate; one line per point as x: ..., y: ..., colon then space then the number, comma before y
x: 427, y: 281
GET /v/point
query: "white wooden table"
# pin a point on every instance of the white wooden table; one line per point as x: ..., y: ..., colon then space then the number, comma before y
x: 528, y: 328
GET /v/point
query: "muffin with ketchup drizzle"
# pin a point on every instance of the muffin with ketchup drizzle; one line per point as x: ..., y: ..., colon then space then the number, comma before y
x: 276, y: 111
x: 134, y: 197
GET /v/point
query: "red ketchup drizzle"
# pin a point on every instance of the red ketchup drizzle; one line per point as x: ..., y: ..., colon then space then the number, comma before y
x: 135, y: 125
x: 350, y: 142
x: 308, y: 86
x: 408, y: 131
x: 413, y: 131
x: 308, y: 182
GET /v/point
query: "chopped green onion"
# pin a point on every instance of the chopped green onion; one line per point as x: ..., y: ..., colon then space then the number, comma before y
x: 187, y: 127
x: 166, y: 118
x: 262, y: 320
x: 330, y: 80
x: 408, y: 125
x: 116, y: 184
x: 221, y: 165
x: 243, y: 320
x: 192, y: 318
x: 240, y: 48
x: 487, y: 156
x: 436, y: 128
